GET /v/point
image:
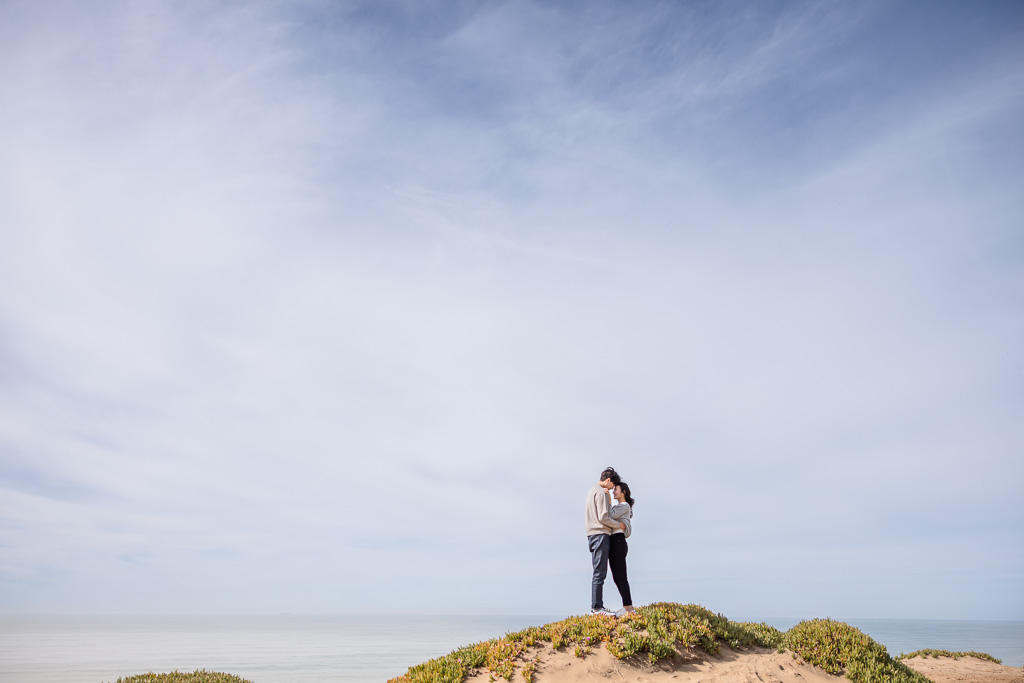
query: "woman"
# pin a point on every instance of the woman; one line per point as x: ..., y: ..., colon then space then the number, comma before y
x: 622, y: 511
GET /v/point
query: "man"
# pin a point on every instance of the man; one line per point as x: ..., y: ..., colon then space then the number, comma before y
x: 600, y: 525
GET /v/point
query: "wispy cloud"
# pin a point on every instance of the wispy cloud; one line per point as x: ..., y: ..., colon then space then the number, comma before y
x: 367, y: 296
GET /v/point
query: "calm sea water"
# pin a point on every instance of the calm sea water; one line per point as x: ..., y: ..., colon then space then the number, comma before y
x: 263, y: 649
x: 297, y: 649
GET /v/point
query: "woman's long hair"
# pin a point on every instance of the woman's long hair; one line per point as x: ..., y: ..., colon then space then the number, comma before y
x: 625, y: 492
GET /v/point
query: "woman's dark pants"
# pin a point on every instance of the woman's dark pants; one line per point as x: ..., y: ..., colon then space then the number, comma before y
x: 617, y: 559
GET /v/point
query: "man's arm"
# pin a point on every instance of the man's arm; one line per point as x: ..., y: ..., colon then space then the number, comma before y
x: 604, y: 512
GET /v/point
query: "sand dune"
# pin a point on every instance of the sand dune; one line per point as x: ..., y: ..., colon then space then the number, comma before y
x: 752, y: 665
x: 964, y: 669
x: 671, y: 643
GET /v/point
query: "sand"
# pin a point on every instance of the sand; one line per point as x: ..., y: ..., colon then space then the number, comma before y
x: 753, y: 665
x: 948, y: 670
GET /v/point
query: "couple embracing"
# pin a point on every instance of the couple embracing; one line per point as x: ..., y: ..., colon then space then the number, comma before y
x: 608, y: 526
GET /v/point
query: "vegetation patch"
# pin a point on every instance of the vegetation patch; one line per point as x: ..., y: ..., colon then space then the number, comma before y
x: 201, y: 676
x: 839, y: 648
x: 924, y: 654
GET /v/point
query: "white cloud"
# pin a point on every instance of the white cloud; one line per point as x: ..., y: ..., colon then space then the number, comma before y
x: 334, y: 321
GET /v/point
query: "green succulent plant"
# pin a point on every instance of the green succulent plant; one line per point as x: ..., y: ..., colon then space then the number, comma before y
x: 201, y: 676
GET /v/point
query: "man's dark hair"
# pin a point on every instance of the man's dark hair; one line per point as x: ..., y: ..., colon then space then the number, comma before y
x: 610, y: 473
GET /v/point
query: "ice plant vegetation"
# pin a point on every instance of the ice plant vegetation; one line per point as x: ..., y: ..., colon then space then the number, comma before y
x: 924, y: 654
x: 201, y: 676
x: 839, y: 648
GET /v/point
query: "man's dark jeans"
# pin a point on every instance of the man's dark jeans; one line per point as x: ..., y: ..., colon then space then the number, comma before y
x: 600, y: 545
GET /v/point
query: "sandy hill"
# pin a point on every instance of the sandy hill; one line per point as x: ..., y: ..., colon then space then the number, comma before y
x: 762, y: 665
x: 673, y: 643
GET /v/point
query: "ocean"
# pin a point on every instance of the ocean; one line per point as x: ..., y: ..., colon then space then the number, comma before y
x: 349, y: 649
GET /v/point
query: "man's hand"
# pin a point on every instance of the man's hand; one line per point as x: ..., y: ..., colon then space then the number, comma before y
x: 622, y: 525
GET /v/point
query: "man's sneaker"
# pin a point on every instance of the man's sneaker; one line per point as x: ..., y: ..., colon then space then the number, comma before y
x: 603, y: 612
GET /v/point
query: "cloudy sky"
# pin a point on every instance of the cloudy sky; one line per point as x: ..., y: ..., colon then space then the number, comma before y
x: 342, y: 307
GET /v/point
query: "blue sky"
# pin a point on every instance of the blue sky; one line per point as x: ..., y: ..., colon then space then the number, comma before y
x: 342, y: 307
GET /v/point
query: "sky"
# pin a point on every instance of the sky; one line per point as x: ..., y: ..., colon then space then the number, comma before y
x: 342, y: 307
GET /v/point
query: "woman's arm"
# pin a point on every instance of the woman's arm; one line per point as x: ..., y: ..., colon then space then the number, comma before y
x: 621, y: 514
